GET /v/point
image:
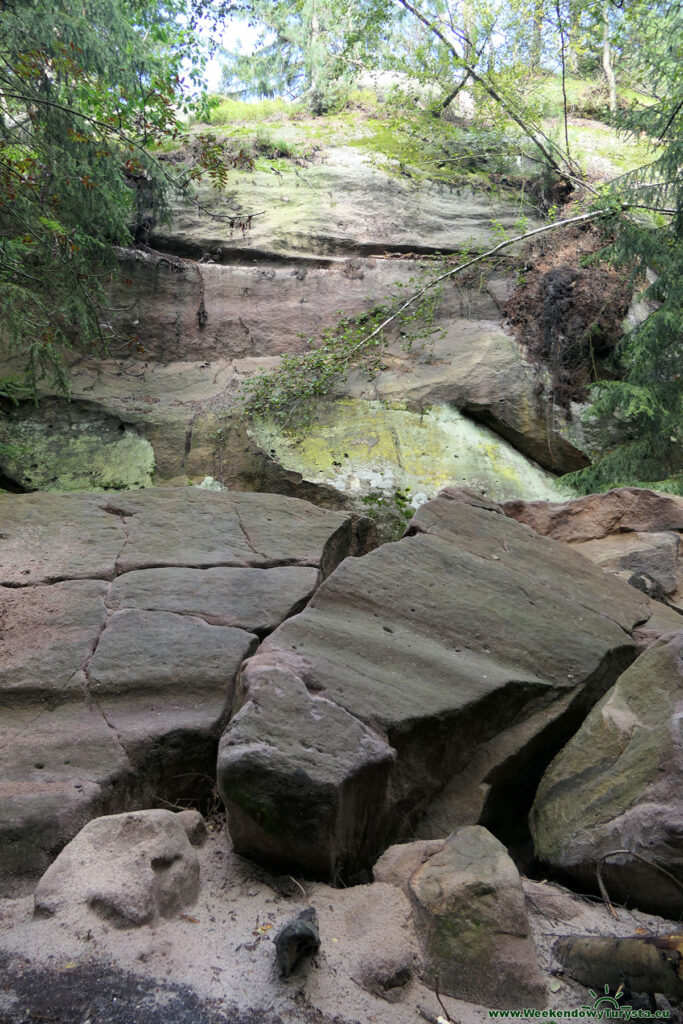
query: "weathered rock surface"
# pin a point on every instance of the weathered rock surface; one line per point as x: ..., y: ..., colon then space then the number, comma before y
x: 246, y: 598
x: 618, y: 785
x: 385, y: 951
x: 369, y: 450
x: 171, y: 403
x: 630, y: 530
x: 478, y: 367
x: 624, y: 509
x: 117, y: 678
x: 261, y: 309
x: 129, y: 869
x: 343, y: 205
x: 397, y: 864
x: 47, y: 538
x: 65, y: 447
x: 473, y: 630
x: 469, y: 911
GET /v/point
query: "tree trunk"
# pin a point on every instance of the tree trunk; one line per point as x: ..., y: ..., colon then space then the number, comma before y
x: 536, y: 28
x: 607, y: 60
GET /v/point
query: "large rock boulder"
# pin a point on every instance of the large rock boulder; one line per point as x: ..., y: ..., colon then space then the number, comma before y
x: 469, y: 912
x: 471, y: 632
x: 630, y: 530
x: 129, y: 869
x: 124, y: 623
x: 616, y: 788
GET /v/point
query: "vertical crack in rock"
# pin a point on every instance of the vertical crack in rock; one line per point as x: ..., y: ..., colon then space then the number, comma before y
x: 245, y: 533
x: 188, y: 438
x: 122, y: 515
x: 84, y: 669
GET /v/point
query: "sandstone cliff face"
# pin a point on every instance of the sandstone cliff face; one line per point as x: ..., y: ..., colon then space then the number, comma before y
x: 211, y: 305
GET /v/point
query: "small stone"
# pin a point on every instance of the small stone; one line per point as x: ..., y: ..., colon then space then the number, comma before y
x: 194, y: 825
x: 297, y: 939
x: 127, y: 869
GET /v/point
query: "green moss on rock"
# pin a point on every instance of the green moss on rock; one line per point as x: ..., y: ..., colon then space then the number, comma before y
x: 364, y: 448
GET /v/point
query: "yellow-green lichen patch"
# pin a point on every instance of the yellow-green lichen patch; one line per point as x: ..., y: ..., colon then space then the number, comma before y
x: 74, y: 456
x: 363, y: 448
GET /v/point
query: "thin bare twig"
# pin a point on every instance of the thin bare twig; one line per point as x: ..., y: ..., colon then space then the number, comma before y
x: 451, y: 1020
x: 638, y: 856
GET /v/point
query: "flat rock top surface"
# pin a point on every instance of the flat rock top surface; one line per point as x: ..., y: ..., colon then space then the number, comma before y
x: 50, y: 537
x: 125, y: 619
x: 437, y: 621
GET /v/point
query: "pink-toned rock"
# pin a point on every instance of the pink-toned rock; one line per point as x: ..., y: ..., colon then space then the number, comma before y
x: 398, y: 863
x: 631, y: 531
x: 597, y: 515
x: 260, y: 309
x: 128, y: 869
x: 114, y: 689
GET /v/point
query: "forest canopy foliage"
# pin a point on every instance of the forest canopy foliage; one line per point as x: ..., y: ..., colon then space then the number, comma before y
x: 87, y: 89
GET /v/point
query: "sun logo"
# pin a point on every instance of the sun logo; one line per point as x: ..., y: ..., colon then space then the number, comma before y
x: 606, y: 1000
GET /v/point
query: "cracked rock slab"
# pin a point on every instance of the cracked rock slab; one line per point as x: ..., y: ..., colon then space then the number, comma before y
x: 59, y: 767
x: 248, y: 599
x: 192, y: 527
x: 114, y: 691
x: 164, y: 683
x: 51, y: 537
x: 435, y: 645
x: 298, y: 773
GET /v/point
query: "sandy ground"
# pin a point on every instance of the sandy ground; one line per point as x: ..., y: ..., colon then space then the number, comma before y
x: 217, y: 962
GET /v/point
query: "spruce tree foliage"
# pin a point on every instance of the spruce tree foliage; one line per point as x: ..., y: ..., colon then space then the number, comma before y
x: 307, y: 49
x: 86, y: 86
x: 649, y: 397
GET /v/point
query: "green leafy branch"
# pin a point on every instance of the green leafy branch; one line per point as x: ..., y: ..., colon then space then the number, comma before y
x: 353, y: 343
